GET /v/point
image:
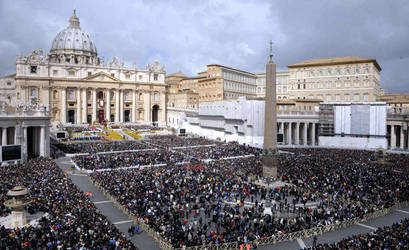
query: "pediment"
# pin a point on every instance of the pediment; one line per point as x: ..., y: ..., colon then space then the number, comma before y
x: 101, y: 77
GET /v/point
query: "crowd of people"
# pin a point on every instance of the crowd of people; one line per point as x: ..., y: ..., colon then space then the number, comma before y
x: 140, y: 127
x: 161, y: 156
x: 95, y: 147
x: 71, y: 222
x: 128, y: 159
x: 216, y: 202
x: 395, y: 236
x: 177, y: 141
x: 219, y: 152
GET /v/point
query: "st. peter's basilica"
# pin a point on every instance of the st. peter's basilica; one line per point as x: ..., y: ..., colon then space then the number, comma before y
x: 77, y: 86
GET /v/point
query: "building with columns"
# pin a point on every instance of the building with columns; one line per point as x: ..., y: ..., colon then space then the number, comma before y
x: 77, y: 86
x: 242, y: 120
x: 27, y: 125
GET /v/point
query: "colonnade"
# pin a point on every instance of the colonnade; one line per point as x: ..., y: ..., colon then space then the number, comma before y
x: 39, y: 137
x: 298, y: 132
x: 398, y: 135
x: 136, y: 106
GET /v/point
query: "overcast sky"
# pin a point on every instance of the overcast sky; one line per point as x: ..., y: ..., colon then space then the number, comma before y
x: 187, y: 35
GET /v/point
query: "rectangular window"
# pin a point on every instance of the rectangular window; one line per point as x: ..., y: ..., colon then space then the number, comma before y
x: 89, y: 73
x: 155, y: 77
x: 55, y: 72
x: 128, y: 76
x: 71, y: 73
x: 33, y: 69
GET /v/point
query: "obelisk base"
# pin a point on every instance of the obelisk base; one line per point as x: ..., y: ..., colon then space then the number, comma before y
x: 270, y: 166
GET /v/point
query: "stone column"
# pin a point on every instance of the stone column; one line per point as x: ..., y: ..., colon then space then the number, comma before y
x: 402, y: 137
x: 297, y: 133
x: 78, y: 106
x: 121, y: 106
x: 282, y: 128
x: 313, y: 134
x: 94, y: 105
x: 147, y: 106
x: 162, y: 99
x: 133, y: 106
x: 42, y: 141
x: 393, y: 137
x: 108, y: 106
x: 84, y: 105
x: 63, y: 113
x: 305, y: 137
x: 117, y: 105
x: 4, y: 136
x: 290, y: 128
x: 25, y: 149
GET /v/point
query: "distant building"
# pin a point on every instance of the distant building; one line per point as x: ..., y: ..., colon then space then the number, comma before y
x: 8, y: 89
x: 340, y: 79
x: 282, y: 80
x: 353, y: 125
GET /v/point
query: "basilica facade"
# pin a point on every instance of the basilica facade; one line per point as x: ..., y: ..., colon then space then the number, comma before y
x: 77, y: 86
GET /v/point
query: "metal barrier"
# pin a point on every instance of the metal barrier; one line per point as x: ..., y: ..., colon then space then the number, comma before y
x: 319, y: 230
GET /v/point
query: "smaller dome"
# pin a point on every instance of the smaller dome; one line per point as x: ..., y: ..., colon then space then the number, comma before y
x: 73, y: 38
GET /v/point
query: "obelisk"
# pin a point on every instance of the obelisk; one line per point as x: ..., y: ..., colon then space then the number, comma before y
x: 270, y: 120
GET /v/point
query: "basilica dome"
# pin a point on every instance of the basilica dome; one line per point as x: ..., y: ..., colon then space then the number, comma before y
x: 73, y: 40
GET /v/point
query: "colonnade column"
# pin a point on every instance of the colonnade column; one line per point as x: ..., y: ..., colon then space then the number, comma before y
x: 108, y: 106
x: 305, y: 138
x: 4, y: 136
x: 163, y: 107
x: 94, y: 105
x: 393, y: 137
x: 290, y: 133
x: 297, y: 133
x: 84, y: 105
x: 147, y: 103
x: 121, y: 108
x: 117, y: 105
x: 402, y: 137
x: 25, y: 150
x: 313, y: 134
x: 281, y: 128
x: 133, y: 106
x: 78, y: 106
x: 63, y: 114
x: 42, y: 141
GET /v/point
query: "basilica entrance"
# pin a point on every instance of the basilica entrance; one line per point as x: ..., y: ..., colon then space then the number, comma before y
x: 101, y: 116
x: 126, y: 116
x: 155, y: 111
x: 71, y: 115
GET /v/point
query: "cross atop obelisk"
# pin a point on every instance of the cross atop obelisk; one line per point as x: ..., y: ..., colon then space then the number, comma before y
x: 270, y: 120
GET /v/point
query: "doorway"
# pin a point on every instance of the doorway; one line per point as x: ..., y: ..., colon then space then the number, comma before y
x: 155, y: 111
x: 71, y: 116
x: 101, y: 115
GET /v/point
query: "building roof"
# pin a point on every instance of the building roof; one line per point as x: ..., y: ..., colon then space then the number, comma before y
x: 335, y: 61
x: 239, y: 70
x: 73, y: 38
x: 9, y: 76
x: 177, y: 74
